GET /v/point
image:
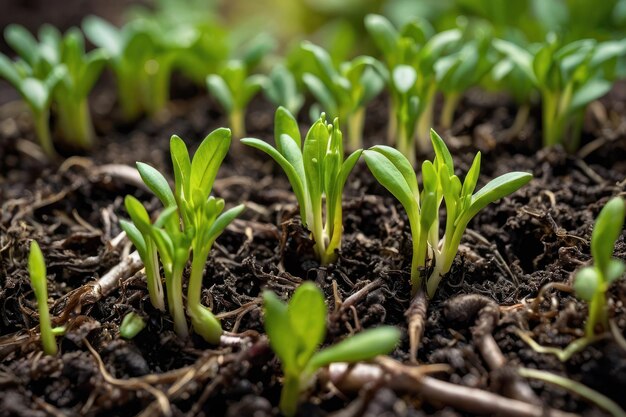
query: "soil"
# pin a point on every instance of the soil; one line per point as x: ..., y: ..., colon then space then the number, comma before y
x: 537, y: 236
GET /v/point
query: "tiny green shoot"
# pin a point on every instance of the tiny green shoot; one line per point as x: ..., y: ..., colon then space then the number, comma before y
x: 440, y: 183
x: 234, y: 89
x: 592, y: 282
x: 296, y: 330
x: 282, y: 89
x: 132, y: 324
x: 39, y: 283
x: 315, y: 168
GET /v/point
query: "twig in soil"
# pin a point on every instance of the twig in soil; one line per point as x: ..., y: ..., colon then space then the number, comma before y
x: 484, y: 312
x: 584, y: 391
x: 414, y: 380
x: 131, y: 384
x: 533, y: 308
x: 416, y: 316
x: 562, y: 354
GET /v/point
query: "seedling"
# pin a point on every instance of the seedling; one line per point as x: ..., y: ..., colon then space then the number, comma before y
x: 234, y: 89
x: 295, y: 332
x: 568, y: 77
x: 440, y: 183
x: 315, y: 168
x: 131, y: 325
x: 345, y: 91
x: 416, y: 45
x: 39, y: 282
x: 592, y: 282
x: 202, y: 219
x: 282, y: 90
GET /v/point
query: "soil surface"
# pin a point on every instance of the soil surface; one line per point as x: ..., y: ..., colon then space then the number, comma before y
x: 513, y: 249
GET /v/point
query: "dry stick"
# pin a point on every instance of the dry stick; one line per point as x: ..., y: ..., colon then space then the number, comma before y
x: 411, y: 379
x: 483, y: 311
x: 416, y: 316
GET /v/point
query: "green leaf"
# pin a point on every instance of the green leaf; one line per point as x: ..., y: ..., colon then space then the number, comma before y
x: 496, y: 189
x: 131, y: 325
x: 286, y: 124
x: 293, y: 176
x: 157, y: 183
x: 321, y: 93
x: 219, y: 89
x: 443, y: 156
x: 315, y: 145
x: 592, y: 90
x: 138, y: 214
x: 383, y: 33
x: 37, y: 270
x: 22, y: 42
x: 223, y: 220
x: 363, y: 346
x: 587, y: 283
x: 35, y: 93
x: 607, y: 229
x: 472, y: 177
x: 614, y: 270
x: 182, y: 168
x: 208, y: 158
x: 135, y: 237
x: 390, y: 177
x: 278, y: 329
x: 404, y: 78
x: 307, y: 317
x: 9, y: 72
x: 522, y: 58
x: 103, y: 34
x: 402, y: 164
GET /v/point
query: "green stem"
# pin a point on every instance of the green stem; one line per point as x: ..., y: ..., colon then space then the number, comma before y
x: 175, y: 301
x: 552, y: 131
x: 521, y: 118
x: 75, y: 122
x: 451, y: 102
x: 153, y: 278
x: 236, y: 120
x: 290, y: 396
x: 157, y: 86
x: 194, y: 290
x: 319, y: 236
x: 425, y: 120
x: 597, y: 314
x: 48, y: 340
x: 42, y: 131
x: 356, y: 121
x: 405, y: 143
x: 418, y: 260
x: 129, y: 96
x: 392, y: 124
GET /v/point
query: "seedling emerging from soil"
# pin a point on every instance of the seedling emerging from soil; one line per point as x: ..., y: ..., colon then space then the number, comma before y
x: 282, y: 90
x: 568, y: 77
x: 295, y: 332
x: 345, y: 91
x: 131, y: 325
x: 395, y: 173
x: 592, y: 282
x: 415, y: 45
x: 37, y: 271
x: 202, y: 219
x: 34, y: 80
x: 234, y: 89
x: 315, y: 168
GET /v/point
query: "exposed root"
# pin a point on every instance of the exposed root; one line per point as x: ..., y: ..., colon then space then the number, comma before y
x: 485, y: 313
x: 414, y: 380
x: 416, y: 317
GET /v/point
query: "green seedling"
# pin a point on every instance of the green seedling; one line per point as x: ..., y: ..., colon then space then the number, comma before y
x: 39, y: 282
x: 282, y: 89
x: 316, y: 169
x: 132, y: 324
x: 440, y: 183
x: 345, y: 91
x: 415, y: 45
x: 143, y: 55
x: 234, y: 89
x: 568, y: 77
x: 592, y: 282
x: 191, y: 222
x: 296, y: 330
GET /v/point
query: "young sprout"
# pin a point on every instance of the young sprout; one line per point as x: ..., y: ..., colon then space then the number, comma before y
x: 295, y: 332
x: 131, y: 325
x: 415, y: 45
x: 234, y: 89
x: 37, y: 271
x: 282, y: 90
x: 34, y: 80
x: 568, y: 77
x: 191, y: 222
x: 345, y: 91
x: 440, y: 183
x: 315, y: 168
x: 592, y: 282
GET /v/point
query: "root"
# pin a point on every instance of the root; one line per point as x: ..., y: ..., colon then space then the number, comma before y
x: 416, y: 317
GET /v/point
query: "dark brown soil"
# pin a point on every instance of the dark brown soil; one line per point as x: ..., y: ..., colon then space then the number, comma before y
x: 537, y: 236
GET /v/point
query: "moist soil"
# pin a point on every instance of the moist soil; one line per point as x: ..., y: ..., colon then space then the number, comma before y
x: 513, y: 248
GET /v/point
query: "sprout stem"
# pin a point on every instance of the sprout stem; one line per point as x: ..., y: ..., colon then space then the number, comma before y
x: 175, y: 301
x: 356, y: 121
x: 290, y: 395
x: 42, y: 130
x: 236, y: 120
x: 447, y: 114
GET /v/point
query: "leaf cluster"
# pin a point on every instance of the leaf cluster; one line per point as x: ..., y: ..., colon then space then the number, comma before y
x: 317, y: 172
x: 297, y: 329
